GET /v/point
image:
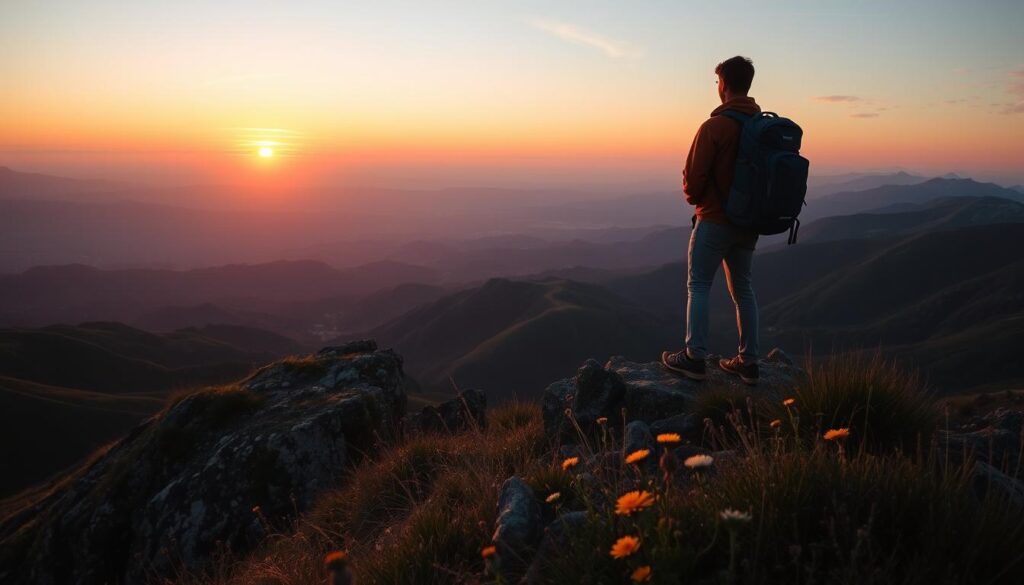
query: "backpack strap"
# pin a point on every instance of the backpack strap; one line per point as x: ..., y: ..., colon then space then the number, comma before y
x: 738, y: 116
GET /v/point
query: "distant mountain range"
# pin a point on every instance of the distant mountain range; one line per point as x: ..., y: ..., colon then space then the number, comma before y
x: 847, y: 202
x: 939, y: 214
x: 827, y: 185
x: 77, y: 293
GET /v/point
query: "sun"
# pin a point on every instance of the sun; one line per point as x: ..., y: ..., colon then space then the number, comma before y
x: 266, y: 152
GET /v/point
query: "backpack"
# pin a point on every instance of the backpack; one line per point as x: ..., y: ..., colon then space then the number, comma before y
x: 770, y: 180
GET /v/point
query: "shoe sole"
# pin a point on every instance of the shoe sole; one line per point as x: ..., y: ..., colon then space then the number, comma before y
x: 687, y: 373
x: 746, y: 380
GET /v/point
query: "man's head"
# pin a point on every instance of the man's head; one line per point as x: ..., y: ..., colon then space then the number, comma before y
x: 734, y: 77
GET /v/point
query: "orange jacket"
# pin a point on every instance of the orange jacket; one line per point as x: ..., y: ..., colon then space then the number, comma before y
x: 712, y: 160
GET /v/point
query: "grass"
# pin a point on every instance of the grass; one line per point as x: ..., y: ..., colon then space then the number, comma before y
x: 883, y: 504
x: 416, y: 513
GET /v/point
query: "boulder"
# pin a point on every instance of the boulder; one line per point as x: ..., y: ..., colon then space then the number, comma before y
x: 594, y: 392
x: 216, y: 470
x: 516, y: 530
x: 557, y: 537
x: 637, y: 436
x: 466, y: 411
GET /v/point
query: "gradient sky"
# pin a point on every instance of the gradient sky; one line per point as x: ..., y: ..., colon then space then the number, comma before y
x: 444, y: 93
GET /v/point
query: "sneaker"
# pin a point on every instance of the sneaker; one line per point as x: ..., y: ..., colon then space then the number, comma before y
x: 681, y: 363
x: 747, y: 371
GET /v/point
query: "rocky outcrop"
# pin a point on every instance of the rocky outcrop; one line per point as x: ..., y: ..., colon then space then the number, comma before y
x: 625, y: 390
x: 216, y: 470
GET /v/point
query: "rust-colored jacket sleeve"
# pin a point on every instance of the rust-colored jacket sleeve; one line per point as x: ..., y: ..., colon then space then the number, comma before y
x: 699, y: 164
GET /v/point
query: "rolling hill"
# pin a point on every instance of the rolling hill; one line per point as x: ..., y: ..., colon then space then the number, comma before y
x: 509, y: 337
x: 115, y: 358
x: 44, y: 429
x: 939, y: 214
x: 65, y: 390
x: 74, y: 293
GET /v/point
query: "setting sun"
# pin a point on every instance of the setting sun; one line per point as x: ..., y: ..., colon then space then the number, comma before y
x: 266, y: 152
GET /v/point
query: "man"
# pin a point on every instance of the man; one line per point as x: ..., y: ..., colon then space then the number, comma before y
x: 707, y: 179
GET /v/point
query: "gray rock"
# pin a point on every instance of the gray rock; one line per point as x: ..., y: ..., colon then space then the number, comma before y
x: 686, y: 425
x: 778, y: 356
x: 593, y: 393
x: 637, y: 436
x: 466, y: 411
x: 516, y: 530
x: 557, y: 535
x: 214, y: 471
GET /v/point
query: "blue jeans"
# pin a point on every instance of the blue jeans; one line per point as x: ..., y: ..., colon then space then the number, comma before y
x: 712, y: 244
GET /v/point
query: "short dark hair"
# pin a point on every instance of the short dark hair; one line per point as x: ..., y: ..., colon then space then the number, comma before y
x: 737, y: 72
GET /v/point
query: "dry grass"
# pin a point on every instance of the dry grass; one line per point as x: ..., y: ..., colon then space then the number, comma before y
x: 416, y: 513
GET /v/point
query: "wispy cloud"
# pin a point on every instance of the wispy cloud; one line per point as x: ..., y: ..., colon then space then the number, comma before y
x: 1015, y: 87
x: 864, y: 115
x: 567, y: 32
x: 836, y: 99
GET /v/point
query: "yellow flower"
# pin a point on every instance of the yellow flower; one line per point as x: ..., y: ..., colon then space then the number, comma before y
x: 776, y: 423
x: 554, y: 496
x: 698, y: 461
x: 336, y: 560
x: 602, y: 420
x: 634, y: 501
x: 488, y: 551
x: 624, y: 547
x: 638, y: 455
x: 669, y: 438
x: 641, y: 574
x: 834, y: 434
x: 789, y: 402
x: 570, y: 462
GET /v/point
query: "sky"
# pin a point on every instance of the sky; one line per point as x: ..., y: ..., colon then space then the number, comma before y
x: 436, y: 94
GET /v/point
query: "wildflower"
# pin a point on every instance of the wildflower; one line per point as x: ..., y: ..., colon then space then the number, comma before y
x: 665, y: 438
x: 698, y: 461
x: 488, y: 551
x: 624, y: 547
x: 634, y: 501
x: 776, y: 423
x: 641, y: 574
x: 570, y: 462
x: 554, y: 496
x: 601, y: 420
x: 789, y: 402
x: 731, y: 516
x: 638, y: 455
x: 336, y: 560
x: 834, y: 434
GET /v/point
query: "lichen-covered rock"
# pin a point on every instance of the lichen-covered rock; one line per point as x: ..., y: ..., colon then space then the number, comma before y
x: 217, y: 469
x: 466, y: 411
x: 516, y: 530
